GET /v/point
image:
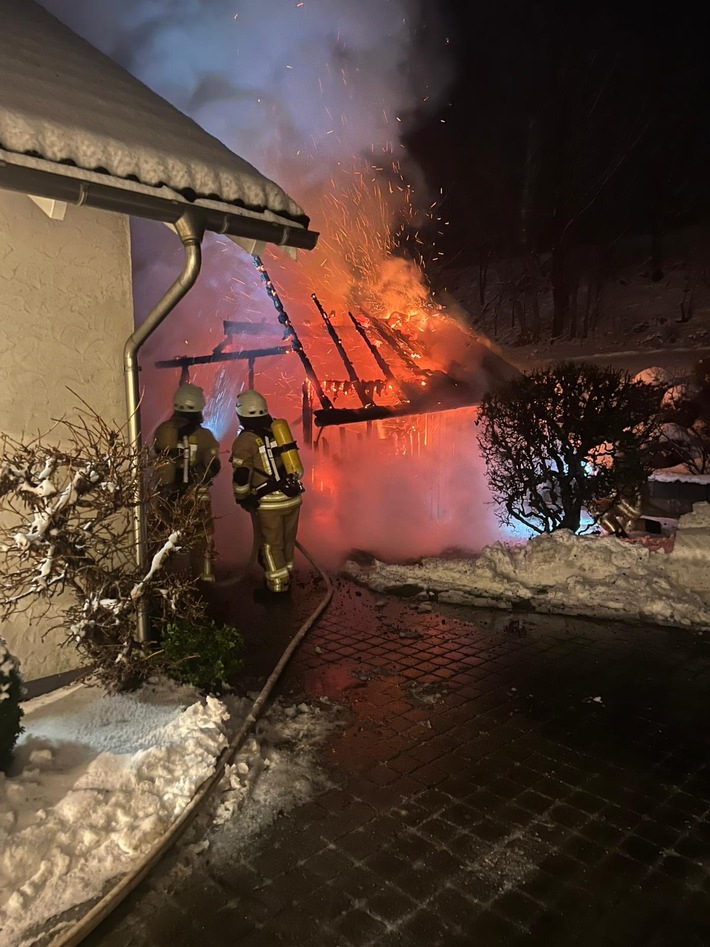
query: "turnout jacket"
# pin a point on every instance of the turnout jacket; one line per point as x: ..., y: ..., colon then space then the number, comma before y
x: 257, y: 455
x: 189, y: 452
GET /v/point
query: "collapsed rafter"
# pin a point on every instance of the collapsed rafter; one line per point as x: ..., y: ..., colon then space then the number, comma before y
x: 424, y: 392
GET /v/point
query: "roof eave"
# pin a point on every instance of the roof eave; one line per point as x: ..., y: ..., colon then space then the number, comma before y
x: 74, y: 190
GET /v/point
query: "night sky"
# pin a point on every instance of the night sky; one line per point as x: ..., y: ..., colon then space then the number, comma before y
x: 589, y: 117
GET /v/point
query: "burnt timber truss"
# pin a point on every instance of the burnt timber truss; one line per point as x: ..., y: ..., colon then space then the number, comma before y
x: 424, y: 392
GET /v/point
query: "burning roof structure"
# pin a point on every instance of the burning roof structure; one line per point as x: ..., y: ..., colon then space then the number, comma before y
x: 408, y: 381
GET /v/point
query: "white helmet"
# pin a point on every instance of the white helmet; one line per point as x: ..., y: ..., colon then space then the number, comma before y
x: 189, y: 399
x: 250, y: 404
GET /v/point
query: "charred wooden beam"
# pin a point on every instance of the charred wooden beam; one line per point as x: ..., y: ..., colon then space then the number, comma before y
x: 445, y: 394
x: 357, y: 384
x: 248, y: 355
x: 381, y: 361
x: 377, y: 355
x: 396, y: 343
x: 285, y: 321
x: 328, y: 417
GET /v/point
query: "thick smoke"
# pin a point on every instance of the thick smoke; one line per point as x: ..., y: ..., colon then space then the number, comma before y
x: 317, y: 95
x: 297, y: 88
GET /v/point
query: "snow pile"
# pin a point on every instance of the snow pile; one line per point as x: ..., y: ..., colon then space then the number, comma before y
x: 681, y: 474
x: 580, y: 575
x: 96, y: 781
x: 689, y: 564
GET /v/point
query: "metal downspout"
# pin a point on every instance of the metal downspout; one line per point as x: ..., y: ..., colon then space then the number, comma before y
x: 191, y: 232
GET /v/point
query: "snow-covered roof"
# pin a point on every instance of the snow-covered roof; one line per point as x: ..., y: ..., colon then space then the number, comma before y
x: 65, y: 105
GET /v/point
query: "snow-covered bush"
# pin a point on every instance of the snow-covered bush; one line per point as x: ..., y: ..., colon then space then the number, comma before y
x: 558, y: 440
x: 67, y: 526
x: 204, y: 654
x: 675, y: 396
x: 686, y: 410
x: 10, y: 710
x: 660, y: 377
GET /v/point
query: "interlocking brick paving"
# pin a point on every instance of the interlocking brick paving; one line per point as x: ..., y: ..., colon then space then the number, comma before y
x: 542, y: 781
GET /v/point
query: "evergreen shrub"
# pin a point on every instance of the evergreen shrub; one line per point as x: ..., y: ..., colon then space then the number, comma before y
x: 204, y: 654
x: 10, y: 710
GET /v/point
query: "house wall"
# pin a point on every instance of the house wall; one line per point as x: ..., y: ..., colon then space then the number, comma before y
x: 65, y: 313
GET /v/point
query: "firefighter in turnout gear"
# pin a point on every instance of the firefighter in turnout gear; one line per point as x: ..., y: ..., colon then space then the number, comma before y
x: 267, y: 484
x: 190, y: 464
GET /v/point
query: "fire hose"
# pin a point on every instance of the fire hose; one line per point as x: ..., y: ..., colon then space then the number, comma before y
x: 110, y: 901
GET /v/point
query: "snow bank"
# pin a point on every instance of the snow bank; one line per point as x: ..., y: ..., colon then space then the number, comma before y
x: 688, y: 566
x: 580, y: 575
x: 96, y: 781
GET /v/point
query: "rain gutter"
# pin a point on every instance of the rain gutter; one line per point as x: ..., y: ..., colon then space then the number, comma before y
x: 72, y: 190
x: 191, y: 232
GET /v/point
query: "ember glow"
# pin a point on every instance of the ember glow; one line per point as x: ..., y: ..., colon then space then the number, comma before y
x: 317, y: 96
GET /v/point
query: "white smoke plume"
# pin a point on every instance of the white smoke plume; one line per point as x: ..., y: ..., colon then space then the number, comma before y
x: 297, y: 87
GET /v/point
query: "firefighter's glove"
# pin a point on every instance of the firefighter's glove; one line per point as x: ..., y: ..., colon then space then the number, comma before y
x: 250, y: 504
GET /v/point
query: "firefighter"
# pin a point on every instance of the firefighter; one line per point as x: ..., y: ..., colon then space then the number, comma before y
x: 190, y: 464
x: 267, y: 484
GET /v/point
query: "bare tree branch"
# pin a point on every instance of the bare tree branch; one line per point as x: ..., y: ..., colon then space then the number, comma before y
x: 67, y: 526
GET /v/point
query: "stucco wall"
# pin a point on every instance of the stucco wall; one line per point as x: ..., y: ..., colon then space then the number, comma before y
x: 65, y: 313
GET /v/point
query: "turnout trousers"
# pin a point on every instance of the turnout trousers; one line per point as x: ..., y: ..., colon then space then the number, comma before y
x: 277, y: 542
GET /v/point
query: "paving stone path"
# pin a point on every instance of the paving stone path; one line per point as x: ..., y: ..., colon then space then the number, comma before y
x: 503, y: 779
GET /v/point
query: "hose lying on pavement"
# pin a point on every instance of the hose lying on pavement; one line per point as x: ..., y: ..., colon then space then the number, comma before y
x: 119, y: 892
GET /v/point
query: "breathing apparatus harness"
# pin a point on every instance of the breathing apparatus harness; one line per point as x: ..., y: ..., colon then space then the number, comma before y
x: 188, y: 474
x: 279, y: 455
x: 276, y: 444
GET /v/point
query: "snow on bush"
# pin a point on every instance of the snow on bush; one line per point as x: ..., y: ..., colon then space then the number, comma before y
x: 675, y: 395
x: 656, y: 376
x: 67, y: 526
x: 10, y: 710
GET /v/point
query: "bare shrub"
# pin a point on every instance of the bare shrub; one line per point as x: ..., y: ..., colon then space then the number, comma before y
x: 68, y: 501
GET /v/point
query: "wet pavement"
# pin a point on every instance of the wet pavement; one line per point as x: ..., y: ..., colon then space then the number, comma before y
x: 502, y: 779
